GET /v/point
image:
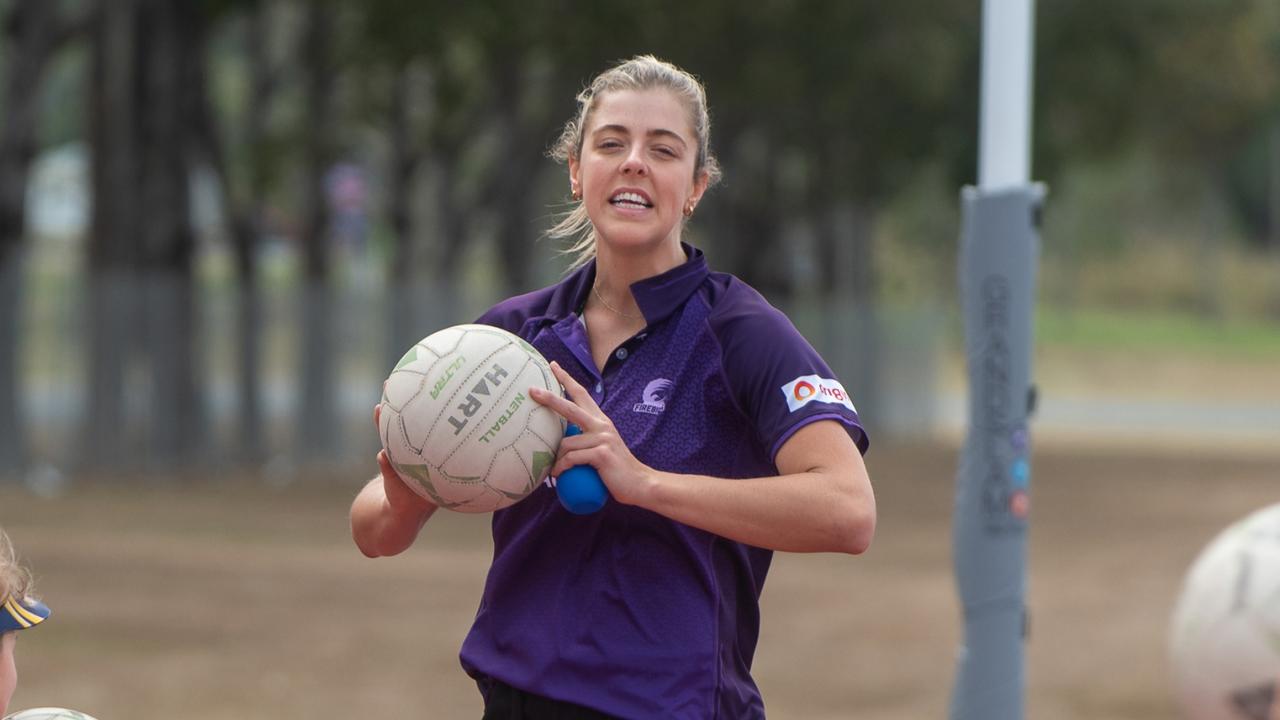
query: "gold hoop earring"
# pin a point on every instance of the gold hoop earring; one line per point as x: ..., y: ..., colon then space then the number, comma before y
x: 688, y: 210
x: 576, y: 193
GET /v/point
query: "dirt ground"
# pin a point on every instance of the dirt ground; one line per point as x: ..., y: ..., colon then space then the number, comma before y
x: 230, y: 599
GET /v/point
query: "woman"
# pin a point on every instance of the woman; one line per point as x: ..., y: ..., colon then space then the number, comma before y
x: 720, y: 434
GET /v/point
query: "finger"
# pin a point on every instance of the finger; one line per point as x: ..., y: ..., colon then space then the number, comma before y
x: 575, y: 442
x: 399, y: 492
x: 586, y: 456
x: 577, y: 393
x: 389, y: 472
x: 561, y: 406
x: 384, y: 465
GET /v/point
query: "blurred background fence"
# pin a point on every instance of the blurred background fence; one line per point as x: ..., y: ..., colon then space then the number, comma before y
x: 221, y: 221
x: 56, y: 368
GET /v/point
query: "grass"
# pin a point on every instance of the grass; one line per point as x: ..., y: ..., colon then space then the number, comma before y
x: 1103, y: 329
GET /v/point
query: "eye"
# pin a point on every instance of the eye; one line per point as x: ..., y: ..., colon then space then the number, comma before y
x: 609, y: 144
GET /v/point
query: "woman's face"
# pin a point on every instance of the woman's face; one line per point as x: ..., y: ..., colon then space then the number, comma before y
x: 635, y: 171
x: 8, y: 670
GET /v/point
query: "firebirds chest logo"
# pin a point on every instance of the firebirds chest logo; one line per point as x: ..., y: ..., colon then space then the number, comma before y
x: 809, y: 388
x: 655, y: 397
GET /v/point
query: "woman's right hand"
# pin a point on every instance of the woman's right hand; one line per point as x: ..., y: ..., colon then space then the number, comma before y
x: 400, y: 496
x: 387, y: 515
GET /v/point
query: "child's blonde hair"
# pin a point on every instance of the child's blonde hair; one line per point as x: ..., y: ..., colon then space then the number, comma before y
x: 15, y: 580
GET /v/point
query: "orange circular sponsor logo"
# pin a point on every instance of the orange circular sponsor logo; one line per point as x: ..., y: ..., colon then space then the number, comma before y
x: 804, y: 390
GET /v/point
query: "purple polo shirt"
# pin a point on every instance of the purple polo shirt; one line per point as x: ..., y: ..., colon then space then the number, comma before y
x: 624, y: 610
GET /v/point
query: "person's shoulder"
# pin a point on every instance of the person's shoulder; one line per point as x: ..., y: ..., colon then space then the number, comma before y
x: 512, y: 313
x: 551, y: 303
x: 737, y: 307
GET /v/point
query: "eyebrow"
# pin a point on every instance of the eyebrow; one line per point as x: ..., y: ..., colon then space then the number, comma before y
x: 658, y: 132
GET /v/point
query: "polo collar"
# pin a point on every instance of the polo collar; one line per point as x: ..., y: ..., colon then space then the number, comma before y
x: 661, y: 295
x: 657, y: 296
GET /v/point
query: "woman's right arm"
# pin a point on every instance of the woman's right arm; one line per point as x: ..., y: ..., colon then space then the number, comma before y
x: 386, y: 515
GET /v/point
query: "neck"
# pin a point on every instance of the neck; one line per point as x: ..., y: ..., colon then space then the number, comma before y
x: 617, y: 270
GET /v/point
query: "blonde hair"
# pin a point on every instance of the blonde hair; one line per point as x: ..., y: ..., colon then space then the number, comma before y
x: 15, y: 580
x: 643, y: 72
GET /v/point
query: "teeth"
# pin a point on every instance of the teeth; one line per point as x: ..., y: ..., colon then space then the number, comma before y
x: 629, y: 197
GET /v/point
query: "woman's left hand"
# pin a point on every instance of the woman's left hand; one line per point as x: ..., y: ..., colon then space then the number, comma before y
x: 599, y: 445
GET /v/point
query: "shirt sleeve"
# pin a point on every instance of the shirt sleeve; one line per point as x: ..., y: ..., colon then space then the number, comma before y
x: 778, y: 380
x: 516, y: 315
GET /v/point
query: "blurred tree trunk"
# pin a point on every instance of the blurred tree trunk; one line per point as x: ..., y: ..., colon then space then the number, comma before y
x: 404, y: 162
x: 846, y: 262
x: 748, y: 221
x: 1273, y: 212
x: 453, y: 232
x: 524, y: 129
x: 454, y: 211
x: 13, y: 437
x: 171, y: 76
x: 31, y: 32
x: 142, y: 247
x: 1210, y: 256
x: 243, y: 213
x: 114, y: 102
x: 317, y: 421
x: 248, y: 228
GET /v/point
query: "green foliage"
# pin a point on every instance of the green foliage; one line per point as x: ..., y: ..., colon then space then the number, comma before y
x: 815, y: 105
x: 1195, y: 78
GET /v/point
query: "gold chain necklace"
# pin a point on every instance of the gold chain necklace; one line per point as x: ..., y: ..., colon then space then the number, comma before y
x: 611, y: 308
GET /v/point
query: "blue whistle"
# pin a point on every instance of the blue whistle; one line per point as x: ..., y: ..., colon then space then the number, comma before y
x: 580, y: 489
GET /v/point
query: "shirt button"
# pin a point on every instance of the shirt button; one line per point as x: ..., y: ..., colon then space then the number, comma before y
x: 621, y: 354
x: 599, y: 388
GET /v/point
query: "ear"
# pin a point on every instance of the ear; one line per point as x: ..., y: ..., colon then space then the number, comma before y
x: 575, y: 181
x: 700, y: 183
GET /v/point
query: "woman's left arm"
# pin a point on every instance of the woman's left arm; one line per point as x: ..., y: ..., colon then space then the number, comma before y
x: 821, y: 501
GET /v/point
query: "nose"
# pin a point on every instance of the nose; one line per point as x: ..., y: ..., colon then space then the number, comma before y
x: 633, y: 163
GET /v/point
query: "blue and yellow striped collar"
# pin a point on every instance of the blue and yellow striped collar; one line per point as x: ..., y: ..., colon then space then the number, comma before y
x: 21, y: 614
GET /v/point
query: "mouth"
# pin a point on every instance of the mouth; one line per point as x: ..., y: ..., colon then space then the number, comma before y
x: 630, y: 200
